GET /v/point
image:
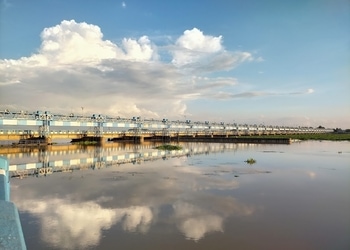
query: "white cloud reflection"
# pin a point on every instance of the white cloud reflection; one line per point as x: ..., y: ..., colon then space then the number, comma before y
x: 195, y: 219
x: 135, y: 218
x: 195, y: 222
x: 71, y: 224
x: 80, y: 225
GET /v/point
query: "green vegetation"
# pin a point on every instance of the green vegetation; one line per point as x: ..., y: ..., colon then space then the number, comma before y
x: 326, y: 136
x: 250, y: 161
x: 85, y: 142
x: 169, y: 147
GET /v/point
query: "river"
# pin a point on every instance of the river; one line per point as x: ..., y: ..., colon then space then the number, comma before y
x: 206, y: 196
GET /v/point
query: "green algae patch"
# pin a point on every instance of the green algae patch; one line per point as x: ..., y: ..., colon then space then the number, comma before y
x: 169, y: 147
x: 250, y: 161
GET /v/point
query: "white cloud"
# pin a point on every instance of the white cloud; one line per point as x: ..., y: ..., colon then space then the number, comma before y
x: 193, y: 44
x: 72, y: 42
x: 124, y: 5
x: 140, y: 50
x: 75, y: 66
x: 204, y: 53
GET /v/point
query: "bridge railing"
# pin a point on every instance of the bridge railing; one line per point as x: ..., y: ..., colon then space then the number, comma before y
x: 136, y: 131
x: 71, y: 120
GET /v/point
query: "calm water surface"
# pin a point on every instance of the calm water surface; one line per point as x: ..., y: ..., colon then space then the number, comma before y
x: 206, y: 197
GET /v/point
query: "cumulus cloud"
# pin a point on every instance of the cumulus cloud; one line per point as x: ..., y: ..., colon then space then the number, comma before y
x: 76, y: 67
x: 140, y: 50
x: 193, y: 44
x: 205, y: 53
x: 82, y: 43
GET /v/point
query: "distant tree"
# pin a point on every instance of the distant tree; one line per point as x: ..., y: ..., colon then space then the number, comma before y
x: 321, y: 127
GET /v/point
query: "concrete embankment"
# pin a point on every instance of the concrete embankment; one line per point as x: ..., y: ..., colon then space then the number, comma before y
x: 11, y: 234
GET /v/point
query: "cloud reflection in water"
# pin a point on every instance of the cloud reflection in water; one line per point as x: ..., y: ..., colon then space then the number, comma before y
x: 72, y: 226
x: 132, y: 201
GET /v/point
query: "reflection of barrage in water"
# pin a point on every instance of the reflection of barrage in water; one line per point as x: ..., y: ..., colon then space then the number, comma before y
x: 46, y: 167
x: 23, y: 173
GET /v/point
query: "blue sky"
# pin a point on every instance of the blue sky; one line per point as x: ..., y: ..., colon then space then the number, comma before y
x: 256, y: 62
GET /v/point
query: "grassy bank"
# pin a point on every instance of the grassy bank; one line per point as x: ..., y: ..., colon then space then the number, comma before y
x: 327, y: 136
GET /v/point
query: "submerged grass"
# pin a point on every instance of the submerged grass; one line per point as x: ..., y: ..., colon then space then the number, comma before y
x: 169, y: 147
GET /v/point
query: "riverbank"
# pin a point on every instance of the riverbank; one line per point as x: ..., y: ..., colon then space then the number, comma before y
x: 303, y: 137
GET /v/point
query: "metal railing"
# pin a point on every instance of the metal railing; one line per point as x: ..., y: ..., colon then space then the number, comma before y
x: 146, y: 124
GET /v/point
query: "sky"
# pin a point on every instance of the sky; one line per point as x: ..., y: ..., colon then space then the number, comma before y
x: 268, y: 62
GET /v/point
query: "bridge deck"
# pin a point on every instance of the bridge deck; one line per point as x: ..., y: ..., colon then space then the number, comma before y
x: 71, y: 127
